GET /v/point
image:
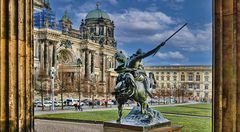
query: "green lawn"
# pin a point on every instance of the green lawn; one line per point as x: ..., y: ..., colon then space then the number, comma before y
x: 107, y: 115
x: 195, y: 109
x: 191, y: 124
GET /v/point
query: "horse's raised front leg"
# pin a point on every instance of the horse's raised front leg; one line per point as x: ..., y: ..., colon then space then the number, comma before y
x: 120, y: 107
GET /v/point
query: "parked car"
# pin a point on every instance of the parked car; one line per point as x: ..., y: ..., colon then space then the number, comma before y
x: 57, y: 103
x: 47, y: 103
x: 110, y: 102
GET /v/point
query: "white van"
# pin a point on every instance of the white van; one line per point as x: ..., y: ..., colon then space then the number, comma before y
x: 71, y: 101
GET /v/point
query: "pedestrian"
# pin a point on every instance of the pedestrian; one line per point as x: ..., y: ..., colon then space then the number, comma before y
x: 80, y: 107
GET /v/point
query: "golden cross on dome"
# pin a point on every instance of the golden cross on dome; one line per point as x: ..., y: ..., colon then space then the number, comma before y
x: 98, y: 4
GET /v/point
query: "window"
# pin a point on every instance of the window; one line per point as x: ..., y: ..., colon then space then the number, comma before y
x: 157, y: 72
x: 162, y: 78
x: 182, y: 77
x: 168, y: 85
x: 92, y: 30
x: 206, y: 86
x: 206, y: 95
x: 190, y: 86
x: 174, y: 78
x: 206, y: 73
x: 206, y: 78
x: 190, y: 77
x: 162, y: 85
x: 168, y: 78
x: 174, y: 85
x: 198, y: 94
x: 175, y: 73
x: 197, y: 77
x: 162, y: 72
x: 197, y: 86
x: 101, y: 30
x: 168, y: 72
x: 157, y: 77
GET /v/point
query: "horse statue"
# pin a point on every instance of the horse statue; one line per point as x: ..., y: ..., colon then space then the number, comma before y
x: 129, y: 89
x: 133, y: 83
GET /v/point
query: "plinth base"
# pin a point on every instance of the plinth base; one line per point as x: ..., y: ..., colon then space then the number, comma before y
x: 162, y: 127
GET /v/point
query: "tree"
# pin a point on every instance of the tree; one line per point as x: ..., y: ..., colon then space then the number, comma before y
x: 42, y: 78
x: 62, y: 86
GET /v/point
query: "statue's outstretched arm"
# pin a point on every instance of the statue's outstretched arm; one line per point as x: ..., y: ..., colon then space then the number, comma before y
x: 153, y: 51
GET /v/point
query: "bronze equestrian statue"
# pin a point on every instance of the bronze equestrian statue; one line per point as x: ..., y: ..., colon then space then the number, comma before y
x: 132, y: 82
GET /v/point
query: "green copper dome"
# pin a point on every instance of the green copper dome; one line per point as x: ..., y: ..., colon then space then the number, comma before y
x: 97, y: 13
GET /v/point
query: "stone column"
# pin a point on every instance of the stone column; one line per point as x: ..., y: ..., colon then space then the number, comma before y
x: 92, y: 61
x: 45, y: 57
x: 86, y: 64
x: 16, y: 108
x: 54, y: 55
x: 41, y: 55
x: 103, y: 67
x: 226, y: 72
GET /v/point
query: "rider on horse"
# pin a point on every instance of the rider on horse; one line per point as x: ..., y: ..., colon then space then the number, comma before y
x: 135, y: 67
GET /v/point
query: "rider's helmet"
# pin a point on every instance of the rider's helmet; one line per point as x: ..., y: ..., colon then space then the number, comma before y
x: 139, y: 51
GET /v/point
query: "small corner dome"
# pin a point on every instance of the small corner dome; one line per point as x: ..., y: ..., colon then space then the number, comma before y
x: 97, y: 13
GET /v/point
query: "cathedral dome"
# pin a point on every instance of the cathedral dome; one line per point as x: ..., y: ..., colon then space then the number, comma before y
x: 96, y: 14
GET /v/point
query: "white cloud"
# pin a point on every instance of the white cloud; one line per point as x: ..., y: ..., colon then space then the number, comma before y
x: 135, y: 19
x: 171, y: 55
x: 113, y: 2
x: 187, y: 39
x: 134, y: 25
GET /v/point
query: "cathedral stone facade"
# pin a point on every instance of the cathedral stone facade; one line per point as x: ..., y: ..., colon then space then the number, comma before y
x: 83, y: 58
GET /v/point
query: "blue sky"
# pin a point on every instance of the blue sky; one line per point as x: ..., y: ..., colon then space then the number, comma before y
x: 146, y: 23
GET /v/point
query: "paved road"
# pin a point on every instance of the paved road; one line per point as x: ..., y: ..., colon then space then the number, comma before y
x: 38, y: 112
x: 61, y: 126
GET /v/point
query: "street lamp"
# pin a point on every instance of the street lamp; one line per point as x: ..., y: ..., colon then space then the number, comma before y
x: 79, y: 63
x: 53, y: 73
x: 92, y: 86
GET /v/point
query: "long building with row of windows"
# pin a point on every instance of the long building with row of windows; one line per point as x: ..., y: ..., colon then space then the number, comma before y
x: 195, y: 81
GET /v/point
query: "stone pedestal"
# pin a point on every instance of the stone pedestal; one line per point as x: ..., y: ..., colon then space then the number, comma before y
x: 161, y: 127
x: 135, y: 121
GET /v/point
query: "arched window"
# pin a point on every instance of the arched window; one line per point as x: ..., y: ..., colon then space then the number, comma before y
x: 65, y: 57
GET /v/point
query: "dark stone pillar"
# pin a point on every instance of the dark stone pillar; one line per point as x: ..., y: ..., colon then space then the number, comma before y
x: 54, y: 55
x: 16, y: 48
x: 86, y: 64
x: 92, y: 61
x: 103, y: 67
x: 45, y: 57
x: 226, y: 36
